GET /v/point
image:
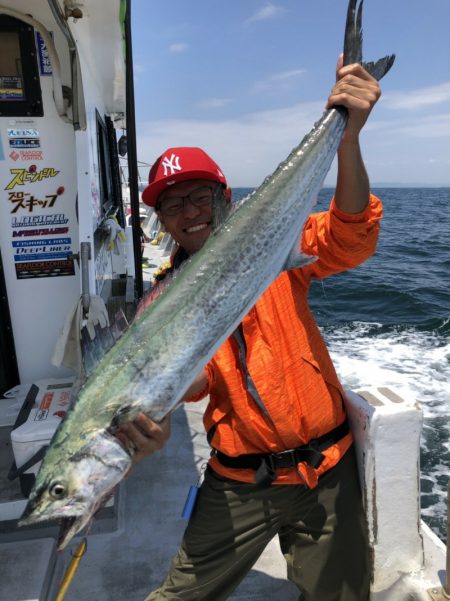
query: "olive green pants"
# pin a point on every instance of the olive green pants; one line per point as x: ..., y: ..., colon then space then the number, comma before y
x: 322, y: 535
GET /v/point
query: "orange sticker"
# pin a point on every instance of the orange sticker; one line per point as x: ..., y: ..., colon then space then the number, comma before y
x: 46, y: 401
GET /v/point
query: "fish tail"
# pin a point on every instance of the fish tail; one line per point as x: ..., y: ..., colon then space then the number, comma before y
x: 381, y: 67
x: 353, y: 33
x: 353, y: 43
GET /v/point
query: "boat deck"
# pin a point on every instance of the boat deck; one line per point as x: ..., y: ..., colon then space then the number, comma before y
x: 131, y: 561
x: 133, y: 557
x: 130, y: 548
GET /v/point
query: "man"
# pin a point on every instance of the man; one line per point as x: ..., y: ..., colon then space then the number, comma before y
x: 283, y: 458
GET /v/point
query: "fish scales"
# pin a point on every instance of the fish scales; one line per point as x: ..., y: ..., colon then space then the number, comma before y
x: 214, y: 299
x: 221, y: 283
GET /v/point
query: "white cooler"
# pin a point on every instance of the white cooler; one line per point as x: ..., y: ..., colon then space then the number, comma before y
x: 37, y: 423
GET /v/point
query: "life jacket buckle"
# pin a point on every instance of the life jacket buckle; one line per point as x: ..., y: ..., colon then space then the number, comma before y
x: 265, y: 474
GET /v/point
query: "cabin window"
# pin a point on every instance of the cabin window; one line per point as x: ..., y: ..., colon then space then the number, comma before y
x: 105, y: 170
x: 20, y: 89
x: 109, y: 172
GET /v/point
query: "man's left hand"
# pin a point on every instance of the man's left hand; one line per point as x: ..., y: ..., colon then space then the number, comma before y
x: 358, y: 91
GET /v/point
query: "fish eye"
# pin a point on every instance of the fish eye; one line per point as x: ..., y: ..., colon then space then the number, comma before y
x: 58, y: 491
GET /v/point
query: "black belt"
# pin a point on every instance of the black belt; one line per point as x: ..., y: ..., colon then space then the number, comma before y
x: 266, y: 464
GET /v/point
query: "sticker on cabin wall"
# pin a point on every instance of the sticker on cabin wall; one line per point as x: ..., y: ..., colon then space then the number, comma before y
x: 96, y: 205
x: 28, y: 202
x: 45, y: 66
x: 29, y: 132
x: 24, y: 137
x: 2, y: 156
x: 41, y: 231
x: 102, y: 266
x: 18, y: 121
x: 30, y: 176
x: 26, y: 155
x: 39, y: 220
x: 47, y: 249
x: 44, y: 269
x: 56, y: 248
x: 18, y: 143
x: 11, y: 88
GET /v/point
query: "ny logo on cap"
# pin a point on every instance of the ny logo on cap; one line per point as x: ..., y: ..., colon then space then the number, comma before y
x: 172, y: 164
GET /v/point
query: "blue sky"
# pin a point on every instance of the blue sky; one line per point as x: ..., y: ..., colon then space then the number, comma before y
x: 246, y: 79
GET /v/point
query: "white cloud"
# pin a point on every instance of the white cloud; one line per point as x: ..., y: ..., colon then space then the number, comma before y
x: 277, y: 79
x: 421, y: 97
x: 213, y: 103
x: 178, y: 48
x: 269, y: 11
x: 247, y: 148
x: 288, y: 74
x: 433, y: 126
x: 426, y: 126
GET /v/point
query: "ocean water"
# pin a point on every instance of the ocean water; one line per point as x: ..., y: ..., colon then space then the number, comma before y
x: 387, y: 322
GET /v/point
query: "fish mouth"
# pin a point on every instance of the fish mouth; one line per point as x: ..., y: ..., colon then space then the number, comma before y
x: 67, y: 530
x: 69, y: 524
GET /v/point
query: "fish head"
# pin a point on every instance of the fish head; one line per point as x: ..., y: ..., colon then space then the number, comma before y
x: 71, y: 488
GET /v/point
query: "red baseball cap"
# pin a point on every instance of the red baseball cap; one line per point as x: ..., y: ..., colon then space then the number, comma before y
x: 178, y: 165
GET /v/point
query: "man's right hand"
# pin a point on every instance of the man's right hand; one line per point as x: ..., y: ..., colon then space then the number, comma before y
x: 144, y: 436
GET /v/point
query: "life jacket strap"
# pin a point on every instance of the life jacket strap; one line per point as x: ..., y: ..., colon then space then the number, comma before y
x: 266, y: 464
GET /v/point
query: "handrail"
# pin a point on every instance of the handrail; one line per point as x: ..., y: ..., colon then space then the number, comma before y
x: 78, y: 106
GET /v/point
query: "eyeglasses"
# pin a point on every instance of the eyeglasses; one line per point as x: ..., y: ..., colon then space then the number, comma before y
x: 200, y: 197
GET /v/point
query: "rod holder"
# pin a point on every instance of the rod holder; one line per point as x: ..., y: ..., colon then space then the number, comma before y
x: 83, y: 258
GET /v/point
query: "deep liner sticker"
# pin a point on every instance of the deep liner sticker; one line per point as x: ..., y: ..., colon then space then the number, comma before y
x: 41, y: 249
x: 46, y: 257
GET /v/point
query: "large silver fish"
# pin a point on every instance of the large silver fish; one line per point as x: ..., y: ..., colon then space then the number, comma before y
x: 152, y: 365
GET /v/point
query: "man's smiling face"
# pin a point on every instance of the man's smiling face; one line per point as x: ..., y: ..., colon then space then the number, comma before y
x: 191, y: 226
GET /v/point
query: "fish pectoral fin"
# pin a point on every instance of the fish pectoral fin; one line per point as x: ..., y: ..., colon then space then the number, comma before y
x: 297, y: 259
x: 125, y: 413
x: 381, y: 67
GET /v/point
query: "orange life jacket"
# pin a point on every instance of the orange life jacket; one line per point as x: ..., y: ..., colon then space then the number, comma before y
x: 287, y: 359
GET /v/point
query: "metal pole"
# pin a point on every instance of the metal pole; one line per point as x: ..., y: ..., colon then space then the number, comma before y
x: 85, y: 255
x: 132, y: 156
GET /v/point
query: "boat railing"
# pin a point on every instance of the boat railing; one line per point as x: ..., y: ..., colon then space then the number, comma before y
x: 443, y: 593
x: 447, y: 565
